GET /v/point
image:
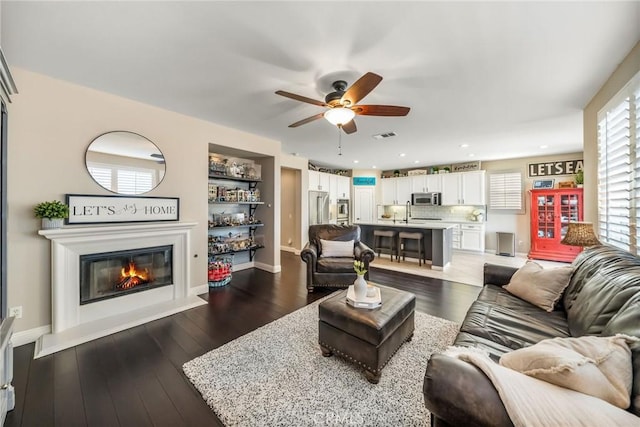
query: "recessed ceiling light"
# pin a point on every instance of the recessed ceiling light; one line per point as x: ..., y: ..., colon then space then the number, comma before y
x: 402, y: 154
x: 544, y: 146
x: 416, y: 161
x: 464, y: 145
x: 373, y: 167
x: 356, y: 161
x: 472, y: 155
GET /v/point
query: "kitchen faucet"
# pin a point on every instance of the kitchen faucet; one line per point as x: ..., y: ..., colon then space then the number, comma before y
x: 407, y: 212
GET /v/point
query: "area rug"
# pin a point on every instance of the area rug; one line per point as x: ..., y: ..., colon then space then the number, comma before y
x: 277, y: 376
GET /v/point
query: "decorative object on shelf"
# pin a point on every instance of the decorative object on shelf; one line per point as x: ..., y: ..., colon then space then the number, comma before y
x: 85, y: 209
x: 543, y: 183
x: 233, y: 167
x: 580, y: 234
x: 52, y: 214
x: 477, y: 215
x: 567, y: 184
x: 579, y: 178
x: 220, y: 270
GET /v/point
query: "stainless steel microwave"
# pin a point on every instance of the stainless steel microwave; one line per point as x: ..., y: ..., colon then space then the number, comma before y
x: 425, y: 199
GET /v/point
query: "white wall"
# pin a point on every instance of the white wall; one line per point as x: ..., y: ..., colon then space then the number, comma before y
x: 51, y: 124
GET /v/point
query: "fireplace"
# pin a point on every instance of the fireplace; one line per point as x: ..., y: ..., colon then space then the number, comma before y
x: 152, y: 257
x: 113, y: 274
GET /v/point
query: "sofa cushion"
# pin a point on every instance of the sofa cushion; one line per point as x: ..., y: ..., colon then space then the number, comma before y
x: 607, y: 260
x: 600, y: 299
x: 539, y: 286
x: 336, y: 248
x: 597, y: 366
x: 342, y: 233
x: 627, y: 321
x: 513, y: 327
x: 335, y: 265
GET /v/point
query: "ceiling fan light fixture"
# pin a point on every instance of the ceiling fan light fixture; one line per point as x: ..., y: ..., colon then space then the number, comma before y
x: 339, y: 116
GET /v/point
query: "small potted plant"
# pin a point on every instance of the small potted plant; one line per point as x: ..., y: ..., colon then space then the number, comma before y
x: 579, y: 178
x: 52, y: 214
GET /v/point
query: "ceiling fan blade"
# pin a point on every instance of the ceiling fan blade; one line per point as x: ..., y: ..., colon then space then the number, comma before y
x: 360, y: 89
x: 349, y: 127
x: 380, y: 110
x: 307, y: 120
x: 300, y: 98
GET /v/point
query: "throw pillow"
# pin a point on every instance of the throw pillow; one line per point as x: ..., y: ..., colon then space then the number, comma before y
x: 597, y: 366
x: 336, y: 248
x: 538, y: 286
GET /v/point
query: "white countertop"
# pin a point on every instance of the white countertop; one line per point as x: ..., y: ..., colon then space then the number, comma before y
x: 431, y: 225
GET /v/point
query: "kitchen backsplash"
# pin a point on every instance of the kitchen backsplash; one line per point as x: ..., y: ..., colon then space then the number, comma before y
x: 446, y: 213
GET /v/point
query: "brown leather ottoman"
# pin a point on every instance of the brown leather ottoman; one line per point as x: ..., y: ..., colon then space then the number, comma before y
x: 368, y: 337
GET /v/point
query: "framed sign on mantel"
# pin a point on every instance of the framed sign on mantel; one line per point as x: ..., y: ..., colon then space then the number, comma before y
x: 86, y: 209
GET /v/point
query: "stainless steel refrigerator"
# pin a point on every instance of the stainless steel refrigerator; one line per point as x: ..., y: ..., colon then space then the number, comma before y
x: 318, y: 207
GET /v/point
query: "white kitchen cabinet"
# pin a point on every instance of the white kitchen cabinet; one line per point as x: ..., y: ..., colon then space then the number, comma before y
x: 472, y: 237
x: 333, y: 188
x: 451, y: 189
x: 396, y: 191
x: 463, y: 188
x: 344, y: 187
x: 318, y: 181
x: 426, y: 183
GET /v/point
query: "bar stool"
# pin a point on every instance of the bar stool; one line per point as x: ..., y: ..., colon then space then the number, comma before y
x: 405, y: 235
x: 378, y: 239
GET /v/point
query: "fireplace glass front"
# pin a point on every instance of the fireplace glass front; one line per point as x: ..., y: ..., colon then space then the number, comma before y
x: 112, y: 274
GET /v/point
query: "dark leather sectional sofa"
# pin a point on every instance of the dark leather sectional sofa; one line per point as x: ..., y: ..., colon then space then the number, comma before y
x: 603, y: 298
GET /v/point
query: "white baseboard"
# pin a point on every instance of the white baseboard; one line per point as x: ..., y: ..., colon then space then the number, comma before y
x: 30, y: 335
x: 269, y: 268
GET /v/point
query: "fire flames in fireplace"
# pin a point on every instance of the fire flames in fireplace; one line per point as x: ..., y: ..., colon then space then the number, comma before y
x: 130, y: 277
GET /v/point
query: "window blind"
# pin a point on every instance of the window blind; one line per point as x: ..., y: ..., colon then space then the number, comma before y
x: 619, y: 169
x: 505, y: 190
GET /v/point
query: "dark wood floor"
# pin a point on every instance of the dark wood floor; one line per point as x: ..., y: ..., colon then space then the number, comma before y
x: 134, y: 377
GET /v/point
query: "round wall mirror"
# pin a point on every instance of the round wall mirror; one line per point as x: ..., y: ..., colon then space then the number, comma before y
x: 125, y: 162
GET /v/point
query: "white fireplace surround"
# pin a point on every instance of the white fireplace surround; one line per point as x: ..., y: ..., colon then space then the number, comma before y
x: 72, y: 323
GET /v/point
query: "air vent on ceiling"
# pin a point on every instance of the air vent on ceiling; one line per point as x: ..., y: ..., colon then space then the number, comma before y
x: 384, y: 135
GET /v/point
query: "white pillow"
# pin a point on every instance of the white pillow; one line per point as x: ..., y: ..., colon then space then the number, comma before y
x: 336, y: 248
x: 538, y: 286
x: 593, y: 365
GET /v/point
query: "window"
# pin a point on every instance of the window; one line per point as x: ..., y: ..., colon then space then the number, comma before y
x: 619, y: 169
x: 505, y: 191
x: 123, y: 180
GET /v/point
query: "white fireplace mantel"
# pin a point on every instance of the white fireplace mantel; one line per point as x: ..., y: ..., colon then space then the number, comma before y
x: 72, y: 323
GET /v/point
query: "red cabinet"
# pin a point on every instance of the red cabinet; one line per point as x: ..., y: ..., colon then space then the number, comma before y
x: 551, y: 212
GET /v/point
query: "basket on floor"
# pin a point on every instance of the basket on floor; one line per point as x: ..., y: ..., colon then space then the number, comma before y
x: 220, y: 269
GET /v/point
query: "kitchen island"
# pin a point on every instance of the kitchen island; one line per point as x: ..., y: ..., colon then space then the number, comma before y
x: 437, y: 241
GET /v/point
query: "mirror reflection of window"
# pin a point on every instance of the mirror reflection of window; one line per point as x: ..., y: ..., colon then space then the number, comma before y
x: 125, y: 163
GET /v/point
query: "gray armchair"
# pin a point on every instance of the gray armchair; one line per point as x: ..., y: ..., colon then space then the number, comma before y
x: 337, y: 272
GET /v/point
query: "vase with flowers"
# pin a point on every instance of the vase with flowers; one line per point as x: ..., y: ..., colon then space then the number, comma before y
x: 360, y: 284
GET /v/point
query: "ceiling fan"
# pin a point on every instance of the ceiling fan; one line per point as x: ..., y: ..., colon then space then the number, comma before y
x: 342, y: 103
